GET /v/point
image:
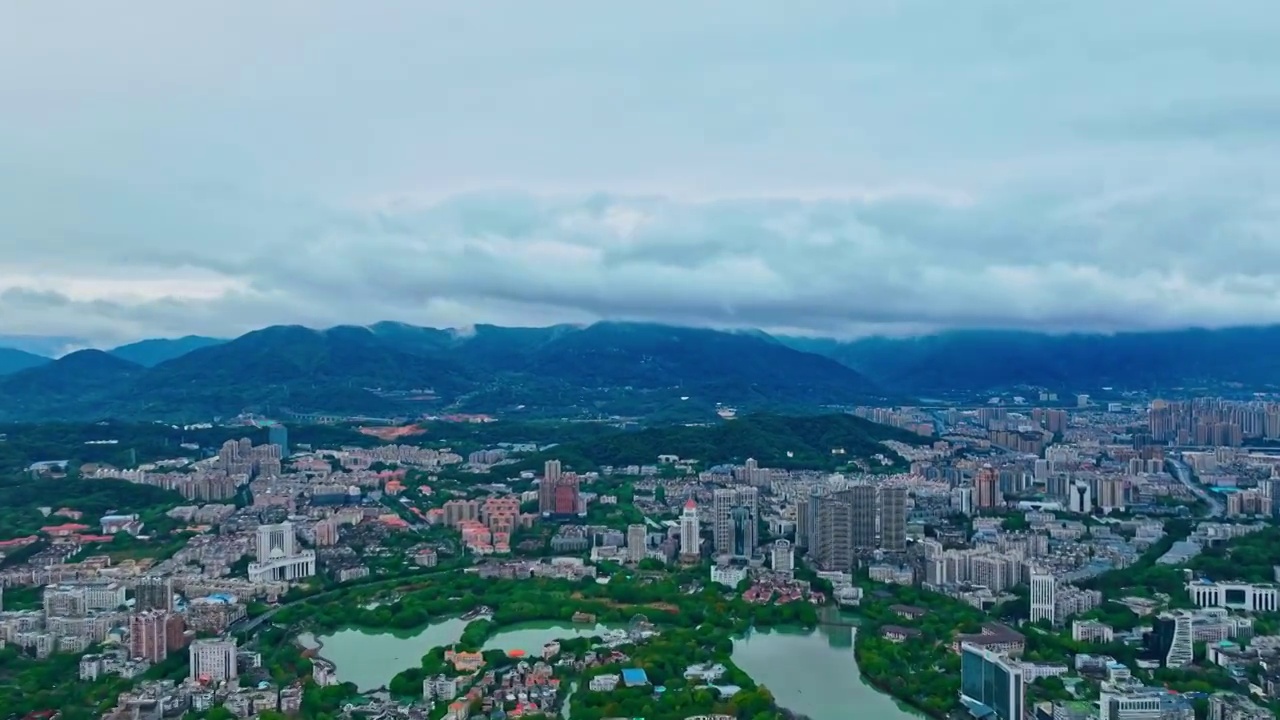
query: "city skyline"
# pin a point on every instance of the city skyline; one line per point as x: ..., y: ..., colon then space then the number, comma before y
x: 844, y: 169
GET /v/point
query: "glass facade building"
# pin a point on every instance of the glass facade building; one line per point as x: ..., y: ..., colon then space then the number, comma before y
x: 991, y: 680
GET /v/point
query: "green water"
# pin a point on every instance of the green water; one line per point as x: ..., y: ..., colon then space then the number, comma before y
x: 531, y: 636
x: 814, y: 672
x: 809, y: 671
x: 370, y: 659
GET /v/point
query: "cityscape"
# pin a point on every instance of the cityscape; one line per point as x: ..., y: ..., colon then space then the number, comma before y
x: 580, y: 360
x: 1069, y: 560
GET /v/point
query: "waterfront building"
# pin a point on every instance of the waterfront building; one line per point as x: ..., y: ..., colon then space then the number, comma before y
x: 991, y: 685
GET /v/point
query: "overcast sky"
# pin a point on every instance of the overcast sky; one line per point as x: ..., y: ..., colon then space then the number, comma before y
x: 838, y: 167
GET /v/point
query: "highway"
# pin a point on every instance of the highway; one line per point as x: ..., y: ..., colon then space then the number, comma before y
x: 1183, y: 473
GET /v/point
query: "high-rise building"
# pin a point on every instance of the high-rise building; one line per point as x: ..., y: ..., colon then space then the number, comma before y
x: 1043, y: 596
x: 278, y: 558
x: 1173, y: 638
x: 782, y: 557
x: 637, y: 539
x: 992, y: 681
x: 690, y: 540
x: 547, y: 487
x: 802, y: 522
x: 735, y: 515
x: 213, y: 661
x: 811, y: 534
x: 987, y: 488
x: 1111, y: 494
x: 832, y: 548
x: 278, y: 436
x: 1080, y: 499
x: 893, y: 519
x: 558, y: 492
x: 863, y: 500
x: 148, y: 636
x: 153, y: 593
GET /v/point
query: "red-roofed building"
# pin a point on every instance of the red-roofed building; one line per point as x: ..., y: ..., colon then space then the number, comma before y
x: 63, y: 530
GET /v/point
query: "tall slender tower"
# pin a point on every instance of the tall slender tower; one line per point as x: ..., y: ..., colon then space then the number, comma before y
x: 690, y: 542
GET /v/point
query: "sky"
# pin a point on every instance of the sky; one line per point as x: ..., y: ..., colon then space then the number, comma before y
x: 840, y: 168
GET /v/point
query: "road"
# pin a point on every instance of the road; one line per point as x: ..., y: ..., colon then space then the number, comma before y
x: 1182, y: 472
x: 251, y: 624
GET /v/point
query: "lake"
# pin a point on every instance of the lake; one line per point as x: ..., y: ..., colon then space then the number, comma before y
x: 814, y: 672
x: 370, y: 659
x: 809, y: 671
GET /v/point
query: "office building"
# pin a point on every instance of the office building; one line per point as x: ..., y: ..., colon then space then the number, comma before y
x: 153, y: 593
x: 278, y: 437
x: 148, y: 636
x: 893, y: 519
x: 1172, y: 639
x: 990, y: 684
x: 735, y: 515
x: 690, y: 537
x: 212, y: 661
x: 1131, y: 700
x: 636, y: 539
x: 1043, y: 601
x: 783, y: 558
x: 278, y: 557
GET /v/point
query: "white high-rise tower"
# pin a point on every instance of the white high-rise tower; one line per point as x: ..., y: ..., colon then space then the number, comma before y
x: 1044, y: 589
x: 690, y: 541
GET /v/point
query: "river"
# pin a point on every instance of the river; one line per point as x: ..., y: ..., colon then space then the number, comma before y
x: 809, y: 671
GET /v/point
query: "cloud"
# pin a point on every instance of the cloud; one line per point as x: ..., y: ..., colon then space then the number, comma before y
x: 827, y: 167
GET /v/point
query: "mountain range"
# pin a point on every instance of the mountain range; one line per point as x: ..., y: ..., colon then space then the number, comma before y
x: 609, y: 368
x: 1177, y: 361
x: 393, y: 369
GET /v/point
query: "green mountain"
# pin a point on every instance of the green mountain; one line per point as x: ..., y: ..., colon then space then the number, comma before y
x: 392, y: 369
x: 979, y: 361
x: 75, y: 383
x: 12, y: 361
x: 149, y: 353
x: 774, y: 440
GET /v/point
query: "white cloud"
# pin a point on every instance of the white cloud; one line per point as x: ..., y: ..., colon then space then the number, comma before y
x: 820, y: 166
